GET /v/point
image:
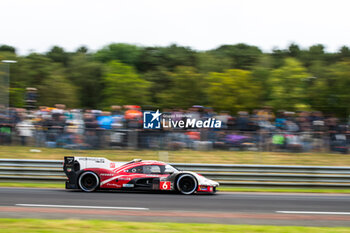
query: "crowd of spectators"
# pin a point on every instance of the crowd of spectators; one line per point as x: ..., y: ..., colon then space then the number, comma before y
x: 122, y: 127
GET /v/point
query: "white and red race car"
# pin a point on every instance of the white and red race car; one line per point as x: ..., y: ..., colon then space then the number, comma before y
x: 89, y: 174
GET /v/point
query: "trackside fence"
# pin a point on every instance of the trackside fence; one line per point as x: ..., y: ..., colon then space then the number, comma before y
x: 226, y: 174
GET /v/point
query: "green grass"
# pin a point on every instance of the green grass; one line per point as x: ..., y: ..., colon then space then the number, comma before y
x: 71, y: 225
x: 185, y: 156
x: 32, y: 185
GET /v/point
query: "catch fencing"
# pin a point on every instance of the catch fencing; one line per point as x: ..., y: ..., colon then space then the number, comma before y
x: 80, y: 138
x: 226, y: 174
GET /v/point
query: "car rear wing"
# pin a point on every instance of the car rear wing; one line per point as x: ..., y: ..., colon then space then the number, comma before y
x: 79, y: 163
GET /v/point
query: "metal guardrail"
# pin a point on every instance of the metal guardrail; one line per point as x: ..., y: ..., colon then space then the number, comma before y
x: 225, y: 174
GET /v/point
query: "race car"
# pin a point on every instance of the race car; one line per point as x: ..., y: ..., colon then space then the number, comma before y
x: 90, y: 174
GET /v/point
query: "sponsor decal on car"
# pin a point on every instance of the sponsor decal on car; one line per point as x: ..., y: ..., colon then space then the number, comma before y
x: 106, y: 174
x: 124, y: 178
x: 205, y: 188
x: 70, y: 160
x: 96, y: 160
x: 128, y: 185
x: 113, y: 185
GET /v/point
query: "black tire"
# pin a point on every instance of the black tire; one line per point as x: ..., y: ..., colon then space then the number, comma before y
x: 88, y: 181
x: 186, y: 184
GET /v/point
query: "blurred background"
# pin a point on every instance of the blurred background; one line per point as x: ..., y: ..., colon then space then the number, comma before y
x: 275, y: 74
x: 292, y: 99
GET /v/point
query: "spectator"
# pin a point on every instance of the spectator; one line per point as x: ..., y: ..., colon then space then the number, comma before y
x: 25, y: 129
x: 105, y: 120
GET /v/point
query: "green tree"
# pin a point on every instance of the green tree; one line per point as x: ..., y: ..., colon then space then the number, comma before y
x: 186, y: 89
x: 82, y: 49
x: 343, y: 54
x: 294, y: 50
x: 174, y: 56
x: 233, y: 90
x: 278, y: 57
x: 288, y: 85
x: 150, y: 59
x: 160, y: 79
x: 7, y: 48
x: 17, y: 96
x: 35, y: 68
x: 169, y: 58
x: 330, y: 91
x: 123, y: 86
x: 313, y: 54
x: 261, y: 73
x: 57, y: 54
x: 56, y: 89
x: 125, y: 53
x: 86, y: 75
x: 209, y: 62
x: 242, y: 56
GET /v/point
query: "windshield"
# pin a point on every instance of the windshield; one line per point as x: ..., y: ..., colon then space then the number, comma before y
x: 169, y: 169
x: 153, y: 169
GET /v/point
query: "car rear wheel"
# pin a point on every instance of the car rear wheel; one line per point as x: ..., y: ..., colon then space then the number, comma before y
x: 186, y: 184
x: 88, y: 181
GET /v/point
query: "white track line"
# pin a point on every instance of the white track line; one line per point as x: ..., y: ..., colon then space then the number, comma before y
x: 313, y: 212
x: 84, y: 207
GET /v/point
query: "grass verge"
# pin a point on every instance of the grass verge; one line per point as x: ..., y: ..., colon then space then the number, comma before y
x: 32, y: 185
x: 184, y: 156
x: 57, y: 226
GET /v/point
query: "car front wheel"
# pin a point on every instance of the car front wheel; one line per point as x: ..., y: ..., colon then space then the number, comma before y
x: 186, y: 184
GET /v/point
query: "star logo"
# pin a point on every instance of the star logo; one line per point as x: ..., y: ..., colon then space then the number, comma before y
x: 151, y: 120
x: 156, y: 115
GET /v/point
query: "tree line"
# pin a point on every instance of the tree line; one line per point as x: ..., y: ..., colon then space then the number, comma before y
x: 229, y: 78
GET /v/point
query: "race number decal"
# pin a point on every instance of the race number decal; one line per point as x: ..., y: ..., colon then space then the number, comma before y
x: 165, y: 185
x: 112, y: 165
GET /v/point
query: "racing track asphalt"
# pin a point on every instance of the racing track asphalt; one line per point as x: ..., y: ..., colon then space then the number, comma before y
x: 229, y: 208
